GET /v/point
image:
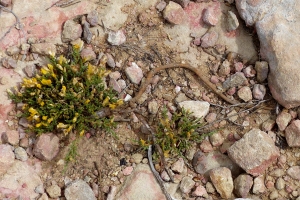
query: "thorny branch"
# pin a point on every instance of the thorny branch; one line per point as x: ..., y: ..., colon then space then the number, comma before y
x: 17, y: 25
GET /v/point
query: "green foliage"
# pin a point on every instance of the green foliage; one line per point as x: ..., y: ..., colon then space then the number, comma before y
x: 65, y: 96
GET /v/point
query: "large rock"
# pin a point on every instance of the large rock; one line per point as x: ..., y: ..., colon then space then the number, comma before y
x: 46, y: 146
x: 254, y: 152
x: 277, y: 26
x: 141, y: 184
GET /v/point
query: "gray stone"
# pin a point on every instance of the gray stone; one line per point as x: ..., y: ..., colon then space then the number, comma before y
x: 79, y: 190
x: 186, y: 184
x: 234, y: 80
x: 87, y: 34
x: 292, y: 134
x: 71, y: 31
x: 242, y: 185
x: 262, y: 70
x: 110, y: 60
x: 54, y: 191
x: 21, y: 154
x: 30, y: 70
x: 232, y: 21
x: 294, y: 172
x: 198, y: 109
x: 254, y: 152
x: 204, y: 162
x: 92, y: 18
x: 222, y: 180
x: 116, y: 37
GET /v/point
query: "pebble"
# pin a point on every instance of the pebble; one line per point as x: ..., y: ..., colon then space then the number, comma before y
x: 174, y: 13
x: 206, y: 146
x: 87, y: 34
x: 283, y: 120
x: 234, y: 115
x: 274, y: 194
x: 210, y: 188
x: 9, y: 63
x: 39, y: 189
x: 43, y: 197
x: 13, y: 50
x: 280, y: 183
x: 238, y: 67
x: 127, y: 171
x: 178, y: 166
x: 258, y: 185
x: 137, y: 158
x: 211, y: 15
x: 134, y: 73
x: 114, y: 75
x: 232, y: 21
x: 242, y: 185
x: 71, y: 31
x: 268, y: 125
x: 79, y: 189
x: 161, y: 6
x: 234, y: 80
x: 259, y: 91
x: 24, y: 122
x: 186, y: 184
x: 46, y: 147
x: 294, y: 172
x: 87, y: 54
x: 277, y: 173
x: 216, y: 139
x: 224, y: 68
x: 153, y: 107
x: 30, y: 70
x: 21, y: 154
x: 199, y: 109
x: 164, y: 175
x: 209, y: 39
x: 199, y: 191
x: 214, y: 79
x: 43, y: 48
x: 249, y: 71
x: 92, y: 18
x: 292, y: 134
x: 115, y: 85
x: 231, y: 91
x: 211, y: 117
x: 54, y: 191
x: 25, y: 47
x: 116, y: 37
x: 110, y: 61
x: 222, y: 180
x: 183, y: 3
x: 245, y: 93
x: 262, y: 70
x: 11, y: 137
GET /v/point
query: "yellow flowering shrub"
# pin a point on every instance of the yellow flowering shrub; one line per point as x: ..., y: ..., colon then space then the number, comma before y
x: 65, y: 96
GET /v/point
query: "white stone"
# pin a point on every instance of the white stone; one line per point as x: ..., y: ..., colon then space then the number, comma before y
x: 199, y: 109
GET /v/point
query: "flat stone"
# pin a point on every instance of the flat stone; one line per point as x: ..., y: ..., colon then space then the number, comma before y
x: 30, y: 70
x: 110, y: 60
x: 79, y: 189
x: 174, y: 13
x: 222, y: 180
x: 242, y: 185
x: 199, y: 109
x: 292, y: 134
x: 9, y: 63
x: 46, y: 147
x: 211, y: 14
x: 71, y: 31
x: 134, y: 73
x: 43, y: 48
x: 87, y: 34
x: 254, y: 152
x: 245, y: 93
x: 141, y: 184
x: 178, y: 166
x: 234, y: 80
x: 11, y: 137
x: 7, y: 157
x: 262, y: 70
x: 116, y: 37
x: 204, y: 162
x: 268, y: 125
x: 294, y: 172
x: 186, y: 184
x: 283, y: 119
x: 209, y: 39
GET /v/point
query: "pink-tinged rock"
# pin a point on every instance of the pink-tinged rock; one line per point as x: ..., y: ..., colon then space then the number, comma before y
x: 294, y: 172
x: 24, y: 142
x: 222, y: 180
x: 30, y: 70
x: 249, y: 71
x: 254, y: 152
x: 127, y: 171
x: 204, y: 162
x: 231, y: 91
x: 5, y: 3
x: 92, y: 18
x: 242, y: 185
x: 262, y: 71
x: 178, y: 166
x: 214, y: 79
x: 268, y: 125
x: 134, y: 73
x: 206, y: 146
x: 197, y: 41
x: 199, y: 191
x: 116, y: 37
x: 13, y: 50
x: 211, y: 14
x: 114, y: 75
x: 110, y: 61
x: 216, y: 139
x: 8, y: 63
x: 115, y: 85
x: 7, y: 157
x: 283, y: 119
x: 161, y: 6
x: 186, y: 184
x: 174, y: 13
x: 141, y: 184
x: 292, y: 134
x: 164, y: 175
x: 238, y: 66
x: 43, y: 48
x: 259, y: 91
x: 11, y: 137
x: 209, y: 39
x: 46, y: 147
x: 245, y: 93
x: 88, y: 54
x: 71, y: 31
x: 224, y: 69
x: 20, y: 180
x: 211, y: 117
x: 259, y: 185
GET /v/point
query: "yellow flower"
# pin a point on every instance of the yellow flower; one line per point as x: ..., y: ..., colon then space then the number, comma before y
x: 45, y: 71
x: 61, y: 125
x: 46, y: 82
x: 59, y: 67
x: 53, y: 75
x: 42, y: 103
x: 50, y: 67
x: 52, y: 54
x: 44, y: 117
x: 29, y: 82
x: 63, y: 91
x: 32, y: 111
x: 75, y: 118
x: 38, y: 125
x: 39, y: 85
x: 120, y: 102
x: 87, y: 101
x: 105, y: 101
x: 142, y: 142
x: 50, y: 120
x: 112, y: 106
x: 81, y: 133
x: 62, y: 59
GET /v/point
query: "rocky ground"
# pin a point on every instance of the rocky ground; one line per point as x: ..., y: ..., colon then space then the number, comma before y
x: 246, y: 50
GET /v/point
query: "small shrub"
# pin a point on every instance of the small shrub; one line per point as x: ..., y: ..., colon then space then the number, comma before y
x: 65, y: 95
